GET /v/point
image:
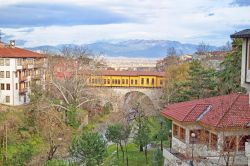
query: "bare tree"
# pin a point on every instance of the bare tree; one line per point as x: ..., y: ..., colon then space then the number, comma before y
x: 203, y: 48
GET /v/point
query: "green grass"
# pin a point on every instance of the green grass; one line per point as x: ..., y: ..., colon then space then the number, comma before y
x: 135, y: 158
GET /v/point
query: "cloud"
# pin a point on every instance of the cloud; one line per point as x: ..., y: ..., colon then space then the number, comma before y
x: 81, y: 22
x: 241, y: 2
x: 40, y: 14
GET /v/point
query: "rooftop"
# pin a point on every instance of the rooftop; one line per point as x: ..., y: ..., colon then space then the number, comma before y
x: 228, y: 111
x: 242, y: 34
x: 14, y: 52
x: 131, y: 73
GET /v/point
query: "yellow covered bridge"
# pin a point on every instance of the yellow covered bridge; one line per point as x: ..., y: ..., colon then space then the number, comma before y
x: 140, y: 79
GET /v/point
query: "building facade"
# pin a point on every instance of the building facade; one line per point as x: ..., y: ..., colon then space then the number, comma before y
x: 19, y: 68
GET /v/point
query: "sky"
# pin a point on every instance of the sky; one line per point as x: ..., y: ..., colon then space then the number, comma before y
x: 52, y: 22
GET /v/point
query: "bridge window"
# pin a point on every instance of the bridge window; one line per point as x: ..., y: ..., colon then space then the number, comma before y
x: 119, y: 81
x: 132, y: 82
x: 108, y: 81
x: 147, y: 81
x: 142, y: 81
x: 104, y: 81
x: 126, y: 81
x: 113, y: 81
x: 135, y: 82
x: 153, y: 81
x: 123, y: 81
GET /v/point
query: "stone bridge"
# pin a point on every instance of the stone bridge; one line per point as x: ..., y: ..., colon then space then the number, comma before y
x: 117, y: 96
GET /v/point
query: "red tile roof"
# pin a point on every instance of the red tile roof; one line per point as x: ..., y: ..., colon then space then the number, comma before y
x: 8, y: 52
x: 131, y: 73
x: 220, y: 112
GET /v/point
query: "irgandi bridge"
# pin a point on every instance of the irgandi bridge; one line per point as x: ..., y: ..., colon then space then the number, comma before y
x: 123, y: 87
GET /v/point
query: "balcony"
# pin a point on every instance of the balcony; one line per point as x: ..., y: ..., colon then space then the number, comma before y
x: 39, y: 64
x: 36, y: 77
x: 23, y: 91
x: 22, y: 79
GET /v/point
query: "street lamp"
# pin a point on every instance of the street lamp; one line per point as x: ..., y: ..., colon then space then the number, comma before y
x: 170, y: 140
x: 192, y: 141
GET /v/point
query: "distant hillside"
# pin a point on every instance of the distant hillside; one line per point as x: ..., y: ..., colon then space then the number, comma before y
x: 132, y: 48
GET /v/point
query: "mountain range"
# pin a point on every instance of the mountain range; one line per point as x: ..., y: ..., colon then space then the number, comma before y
x: 130, y: 48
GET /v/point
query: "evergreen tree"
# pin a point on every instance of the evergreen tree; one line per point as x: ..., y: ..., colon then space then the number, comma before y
x: 230, y: 75
x: 88, y: 149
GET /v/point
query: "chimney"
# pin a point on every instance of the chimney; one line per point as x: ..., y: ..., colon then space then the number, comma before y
x: 12, y: 43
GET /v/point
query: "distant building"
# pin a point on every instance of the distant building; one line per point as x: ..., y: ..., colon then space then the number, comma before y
x: 132, y: 64
x: 186, y: 58
x: 18, y: 68
x: 211, y: 59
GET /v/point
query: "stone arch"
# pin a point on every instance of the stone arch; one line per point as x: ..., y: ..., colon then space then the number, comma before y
x: 131, y: 98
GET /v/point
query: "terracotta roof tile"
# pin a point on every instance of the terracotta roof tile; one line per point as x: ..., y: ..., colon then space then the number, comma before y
x: 131, y: 73
x: 8, y: 52
x: 226, y: 111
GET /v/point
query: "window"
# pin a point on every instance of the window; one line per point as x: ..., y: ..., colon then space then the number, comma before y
x: 135, y: 82
x: 7, y: 74
x: 7, y: 62
x: 198, y: 136
x: 108, y: 81
x: 105, y: 81
x: 142, y: 81
x: 2, y: 86
x: 229, y: 143
x: 132, y: 82
x: 93, y: 81
x: 7, y: 99
x: 16, y: 86
x: 123, y: 81
x: 182, y: 133
x: 213, y: 143
x: 16, y: 74
x: 153, y: 81
x: 113, y: 81
x: 7, y: 86
x: 1, y: 62
x: 119, y: 81
x: 175, y: 130
x: 242, y: 140
x: 147, y: 81
x: 1, y: 74
x: 126, y: 81
x: 19, y: 61
x: 161, y: 82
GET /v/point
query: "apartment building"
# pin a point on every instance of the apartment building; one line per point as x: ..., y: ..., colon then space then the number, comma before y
x: 18, y: 69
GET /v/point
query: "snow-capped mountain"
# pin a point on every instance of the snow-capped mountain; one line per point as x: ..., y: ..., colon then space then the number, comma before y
x: 131, y: 48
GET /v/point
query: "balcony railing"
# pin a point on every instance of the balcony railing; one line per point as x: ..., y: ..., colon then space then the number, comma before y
x: 36, y: 77
x: 39, y: 64
x: 23, y: 91
x: 22, y: 79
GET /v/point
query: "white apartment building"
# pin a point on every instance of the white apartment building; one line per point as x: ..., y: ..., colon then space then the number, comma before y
x: 18, y: 68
